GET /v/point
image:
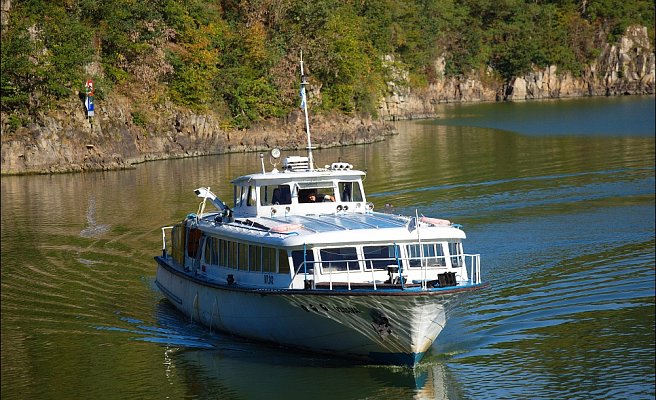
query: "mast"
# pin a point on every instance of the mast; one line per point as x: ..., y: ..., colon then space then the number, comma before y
x: 304, y: 82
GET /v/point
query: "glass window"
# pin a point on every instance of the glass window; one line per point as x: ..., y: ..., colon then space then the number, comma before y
x: 193, y: 242
x: 339, y: 259
x: 414, y: 255
x: 350, y: 191
x: 223, y: 252
x: 243, y: 257
x: 255, y: 257
x: 456, y: 252
x: 283, y: 262
x: 433, y: 253
x: 232, y: 255
x: 268, y: 259
x: 211, y: 251
x: 379, y: 256
x: 275, y: 194
x: 250, y: 199
x: 297, y: 258
x: 208, y: 251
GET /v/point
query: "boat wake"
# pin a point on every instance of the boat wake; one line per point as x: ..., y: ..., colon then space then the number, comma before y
x: 93, y: 228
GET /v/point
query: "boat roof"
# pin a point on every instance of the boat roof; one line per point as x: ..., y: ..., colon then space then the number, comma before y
x: 276, y: 176
x: 338, y: 228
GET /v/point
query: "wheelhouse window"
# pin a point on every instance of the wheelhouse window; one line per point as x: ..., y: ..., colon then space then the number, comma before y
x: 250, y: 198
x: 275, y: 194
x: 433, y: 253
x: 238, y: 195
x: 298, y: 258
x: 350, y: 191
x: 379, y: 257
x: 339, y: 259
x: 316, y: 192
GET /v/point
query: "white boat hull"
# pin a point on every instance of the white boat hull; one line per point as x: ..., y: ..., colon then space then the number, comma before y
x: 389, y: 327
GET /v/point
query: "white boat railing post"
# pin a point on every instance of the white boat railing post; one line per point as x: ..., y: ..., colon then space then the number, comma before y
x: 478, y: 268
x: 330, y: 275
x: 348, y: 275
x: 373, y: 277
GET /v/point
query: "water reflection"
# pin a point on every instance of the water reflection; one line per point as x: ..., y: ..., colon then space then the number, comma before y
x: 219, y: 366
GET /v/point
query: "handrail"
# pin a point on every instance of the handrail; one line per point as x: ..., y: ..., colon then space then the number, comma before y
x: 471, y: 262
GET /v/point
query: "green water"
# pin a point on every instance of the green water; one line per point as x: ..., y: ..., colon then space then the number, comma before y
x: 556, y: 196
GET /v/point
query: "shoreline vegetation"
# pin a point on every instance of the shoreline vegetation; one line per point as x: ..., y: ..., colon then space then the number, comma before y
x: 178, y: 79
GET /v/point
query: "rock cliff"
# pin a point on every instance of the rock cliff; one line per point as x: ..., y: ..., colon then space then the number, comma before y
x: 626, y: 67
x: 67, y: 141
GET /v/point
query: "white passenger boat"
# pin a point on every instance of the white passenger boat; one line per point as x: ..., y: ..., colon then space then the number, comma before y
x: 302, y: 260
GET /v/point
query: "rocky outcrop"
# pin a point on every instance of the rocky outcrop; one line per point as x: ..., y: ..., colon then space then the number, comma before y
x: 627, y: 67
x: 118, y: 136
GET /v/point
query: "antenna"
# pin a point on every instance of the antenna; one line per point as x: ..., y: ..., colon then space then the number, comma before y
x: 304, y: 82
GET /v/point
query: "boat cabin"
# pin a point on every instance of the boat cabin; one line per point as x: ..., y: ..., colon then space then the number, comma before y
x: 303, y: 226
x: 299, y: 190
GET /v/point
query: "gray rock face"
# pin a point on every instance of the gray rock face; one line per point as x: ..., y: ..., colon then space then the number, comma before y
x: 66, y: 141
x: 627, y: 67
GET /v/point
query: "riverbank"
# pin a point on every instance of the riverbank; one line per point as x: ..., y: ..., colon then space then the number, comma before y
x: 131, y: 130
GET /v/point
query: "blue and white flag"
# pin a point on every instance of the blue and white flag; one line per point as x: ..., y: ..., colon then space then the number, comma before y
x: 88, y: 103
x: 303, y: 103
x: 412, y: 224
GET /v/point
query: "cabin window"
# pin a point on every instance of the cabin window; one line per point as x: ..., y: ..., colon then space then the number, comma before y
x: 268, y: 259
x: 379, y: 257
x: 283, y: 262
x: 193, y: 241
x: 178, y: 241
x: 350, y: 191
x: 232, y: 255
x: 275, y: 194
x: 455, y: 249
x: 432, y: 252
x: 212, y: 251
x: 243, y: 256
x: 255, y: 257
x: 339, y: 259
x: 297, y: 258
x: 223, y: 252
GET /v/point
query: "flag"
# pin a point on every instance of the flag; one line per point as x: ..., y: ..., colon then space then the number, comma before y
x: 89, y: 103
x: 303, y: 103
x: 412, y: 224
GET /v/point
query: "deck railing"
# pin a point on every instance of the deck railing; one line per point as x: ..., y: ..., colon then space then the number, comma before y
x: 471, y: 262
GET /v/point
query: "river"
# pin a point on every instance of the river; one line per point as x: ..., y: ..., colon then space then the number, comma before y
x: 556, y: 196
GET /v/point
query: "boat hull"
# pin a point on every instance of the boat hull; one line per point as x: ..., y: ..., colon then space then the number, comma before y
x: 384, y: 326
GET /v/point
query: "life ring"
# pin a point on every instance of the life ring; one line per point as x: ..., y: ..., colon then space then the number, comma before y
x: 286, y: 228
x: 436, y: 221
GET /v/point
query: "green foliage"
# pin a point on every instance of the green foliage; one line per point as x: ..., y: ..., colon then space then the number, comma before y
x: 138, y: 118
x: 240, y: 57
x: 16, y: 80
